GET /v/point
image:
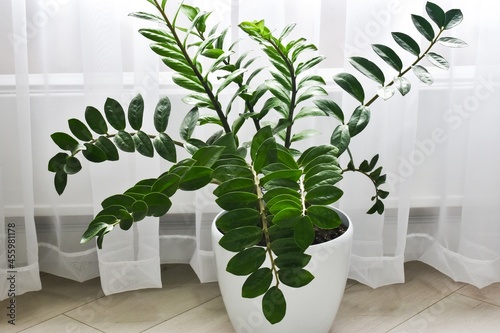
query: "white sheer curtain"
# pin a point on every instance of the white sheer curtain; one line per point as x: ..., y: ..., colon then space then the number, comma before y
x: 439, y: 145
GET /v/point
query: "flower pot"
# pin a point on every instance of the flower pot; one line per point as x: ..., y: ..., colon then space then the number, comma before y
x: 309, y: 309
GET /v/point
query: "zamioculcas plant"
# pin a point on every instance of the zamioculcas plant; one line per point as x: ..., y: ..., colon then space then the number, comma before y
x: 276, y: 197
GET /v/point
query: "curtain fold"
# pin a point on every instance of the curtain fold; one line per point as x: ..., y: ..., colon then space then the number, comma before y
x: 438, y: 145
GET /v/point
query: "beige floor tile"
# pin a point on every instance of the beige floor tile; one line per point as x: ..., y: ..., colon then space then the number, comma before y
x: 136, y: 311
x: 61, y: 324
x: 489, y: 294
x: 455, y: 313
x: 209, y: 317
x: 57, y: 296
x: 364, y: 309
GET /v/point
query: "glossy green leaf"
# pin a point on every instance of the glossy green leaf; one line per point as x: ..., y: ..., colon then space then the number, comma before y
x: 351, y: 85
x: 257, y: 283
x: 189, y: 124
x: 64, y: 141
x: 324, y: 195
x: 236, y: 200
x: 189, y: 82
x: 329, y: 160
x: 148, y: 17
x: 304, y: 233
x: 162, y: 114
x: 422, y: 74
x: 368, y: 68
x: 94, y: 153
x: 95, y: 120
x: 139, y: 210
x: 165, y: 147
x: 174, y: 61
x: 266, y: 154
x: 305, y: 134
x: 224, y: 173
x: 157, y: 35
x: 312, y: 153
x: 437, y: 60
x: 72, y: 166
x: 143, y: 144
x: 407, y: 43
x: 57, y: 162
x: 287, y: 218
x: 389, y: 56
x: 207, y: 156
x: 452, y: 42
x: 124, y: 142
x: 167, y: 184
x: 281, y: 246
x: 423, y: 26
x: 436, y: 14
x: 403, y: 85
x: 295, y: 277
x: 302, y: 67
x: 341, y: 138
x: 247, y: 261
x: 126, y: 220
x: 290, y: 198
x: 115, y: 114
x: 323, y: 217
x: 108, y: 147
x: 359, y: 120
x: 262, y: 135
x: 60, y: 181
x: 269, y: 195
x: 309, y: 111
x: 158, y: 204
x: 195, y: 178
x: 199, y: 100
x: 230, y: 79
x: 274, y: 305
x: 118, y: 200
x: 292, y: 260
x: 238, y: 239
x: 190, y: 11
x: 278, y: 91
x: 93, y: 230
x: 293, y: 175
x: 242, y: 217
x: 235, y: 184
x: 311, y: 80
x: 79, y: 130
x: 135, y: 112
x: 322, y: 178
x: 330, y: 108
x: 453, y: 18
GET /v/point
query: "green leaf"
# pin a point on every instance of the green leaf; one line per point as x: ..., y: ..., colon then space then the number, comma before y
x: 190, y: 11
x: 107, y: 146
x: 60, y: 181
x: 407, y: 43
x: 125, y: 142
x: 287, y: 218
x: 79, y: 130
x: 304, y: 233
x: 212, y: 53
x: 94, y: 153
x: 158, y: 204
x: 278, y: 91
x: 236, y: 200
x: 139, y: 210
x: 322, y: 178
x: 207, y: 156
x: 316, y: 151
x: 143, y: 144
x: 302, y: 67
x: 235, y: 184
x: 351, y: 85
x: 162, y: 114
x: 292, y: 175
x: 233, y: 77
x: 310, y: 80
x: 165, y: 147
x: 199, y: 100
x: 269, y: 195
x: 452, y: 42
x: 368, y: 68
x: 453, y: 18
x: 324, y: 195
x: 437, y: 60
x: 423, y: 26
x: 64, y: 141
x: 195, y: 178
x: 243, y: 217
x: 389, y: 56
x: 238, y: 239
x: 118, y: 200
x: 114, y: 114
x: 274, y: 305
x: 189, y: 124
x: 359, y: 120
x: 257, y: 283
x: 295, y: 277
x: 330, y: 108
x: 386, y: 92
x: 436, y: 14
x: 166, y: 184
x: 292, y: 260
x: 224, y: 173
x: 95, y: 120
x: 422, y: 74
x: 323, y: 217
x: 157, y: 35
x: 189, y: 82
x: 311, y: 92
x: 148, y: 17
x: 57, y: 162
x: 72, y: 166
x: 247, y: 261
x: 126, y: 220
x: 136, y: 112
x: 93, y: 230
x: 403, y: 85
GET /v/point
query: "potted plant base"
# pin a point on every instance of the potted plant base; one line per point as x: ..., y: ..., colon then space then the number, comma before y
x: 309, y: 309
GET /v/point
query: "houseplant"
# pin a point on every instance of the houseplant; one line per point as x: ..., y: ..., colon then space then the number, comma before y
x: 276, y: 198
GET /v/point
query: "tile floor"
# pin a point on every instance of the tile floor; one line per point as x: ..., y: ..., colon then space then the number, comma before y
x: 427, y: 302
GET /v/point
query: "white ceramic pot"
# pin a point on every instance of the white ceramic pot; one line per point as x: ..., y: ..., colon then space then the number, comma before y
x: 310, y: 309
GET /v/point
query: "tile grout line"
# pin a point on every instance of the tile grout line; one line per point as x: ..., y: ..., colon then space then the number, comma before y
x: 179, y: 314
x: 78, y: 321
x: 479, y: 300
